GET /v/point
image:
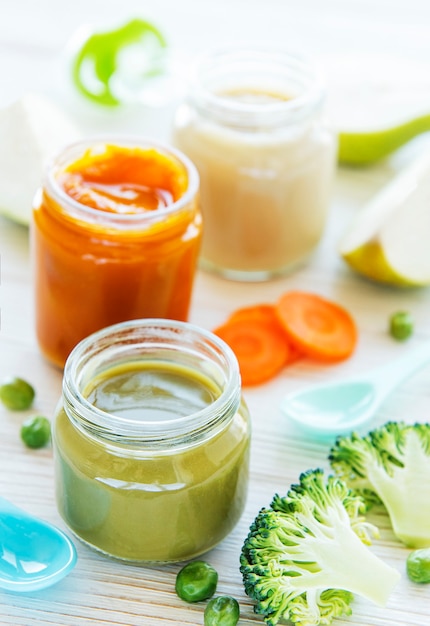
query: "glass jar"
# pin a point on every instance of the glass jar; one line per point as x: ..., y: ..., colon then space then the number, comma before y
x: 253, y: 126
x: 116, y: 235
x: 151, y: 441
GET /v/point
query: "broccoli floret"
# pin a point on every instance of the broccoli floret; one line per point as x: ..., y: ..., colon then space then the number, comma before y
x: 391, y: 464
x: 305, y: 557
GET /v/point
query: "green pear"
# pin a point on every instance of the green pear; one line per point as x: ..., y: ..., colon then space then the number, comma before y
x: 366, y: 147
x: 388, y: 240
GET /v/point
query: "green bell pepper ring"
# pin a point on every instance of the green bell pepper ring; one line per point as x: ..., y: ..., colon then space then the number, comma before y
x: 100, y: 52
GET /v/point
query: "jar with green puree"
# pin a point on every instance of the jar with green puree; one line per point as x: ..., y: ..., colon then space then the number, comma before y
x: 151, y: 441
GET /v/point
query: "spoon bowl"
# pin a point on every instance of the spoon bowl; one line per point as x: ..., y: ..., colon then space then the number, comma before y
x: 340, y: 407
x: 34, y: 554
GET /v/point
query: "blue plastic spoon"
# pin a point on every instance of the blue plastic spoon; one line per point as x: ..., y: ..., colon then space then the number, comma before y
x: 33, y: 553
x: 340, y: 407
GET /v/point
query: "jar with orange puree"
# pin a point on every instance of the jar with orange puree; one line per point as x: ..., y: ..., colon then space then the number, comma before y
x: 116, y: 234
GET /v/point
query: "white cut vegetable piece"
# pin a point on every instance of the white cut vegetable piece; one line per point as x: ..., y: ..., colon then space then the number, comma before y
x: 32, y: 130
x: 389, y: 238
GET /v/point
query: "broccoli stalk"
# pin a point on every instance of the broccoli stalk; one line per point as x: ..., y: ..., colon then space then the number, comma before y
x: 391, y: 465
x: 305, y: 557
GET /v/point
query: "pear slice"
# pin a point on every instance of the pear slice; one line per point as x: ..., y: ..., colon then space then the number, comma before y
x: 388, y: 240
x: 32, y: 129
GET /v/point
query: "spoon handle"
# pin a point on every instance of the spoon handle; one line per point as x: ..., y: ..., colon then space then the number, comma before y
x: 388, y: 376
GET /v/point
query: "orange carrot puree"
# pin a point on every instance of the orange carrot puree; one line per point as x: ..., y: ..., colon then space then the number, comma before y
x: 110, y: 244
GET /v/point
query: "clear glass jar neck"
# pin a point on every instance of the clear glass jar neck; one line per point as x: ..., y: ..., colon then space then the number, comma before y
x: 297, y: 90
x: 84, y: 213
x: 167, y: 341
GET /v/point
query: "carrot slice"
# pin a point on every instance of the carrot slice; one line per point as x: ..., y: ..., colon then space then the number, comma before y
x: 260, y: 347
x: 257, y: 312
x: 266, y: 313
x: 319, y: 328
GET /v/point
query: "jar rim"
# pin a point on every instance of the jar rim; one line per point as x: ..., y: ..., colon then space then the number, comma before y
x: 59, y: 160
x: 262, y: 114
x: 176, y: 430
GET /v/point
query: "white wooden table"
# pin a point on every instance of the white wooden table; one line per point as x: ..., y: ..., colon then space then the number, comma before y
x: 394, y: 34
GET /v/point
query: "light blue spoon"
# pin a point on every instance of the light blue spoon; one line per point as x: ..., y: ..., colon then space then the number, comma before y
x: 33, y: 554
x: 340, y: 407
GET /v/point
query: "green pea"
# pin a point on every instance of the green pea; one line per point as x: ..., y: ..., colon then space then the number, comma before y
x: 222, y: 611
x: 401, y: 325
x: 418, y: 565
x: 36, y: 431
x: 16, y: 394
x: 196, y: 581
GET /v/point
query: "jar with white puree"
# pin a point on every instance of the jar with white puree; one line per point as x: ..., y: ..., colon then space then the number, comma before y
x: 253, y: 125
x: 151, y: 441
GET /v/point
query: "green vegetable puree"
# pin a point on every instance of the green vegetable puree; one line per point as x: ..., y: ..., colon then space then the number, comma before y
x: 159, y: 504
